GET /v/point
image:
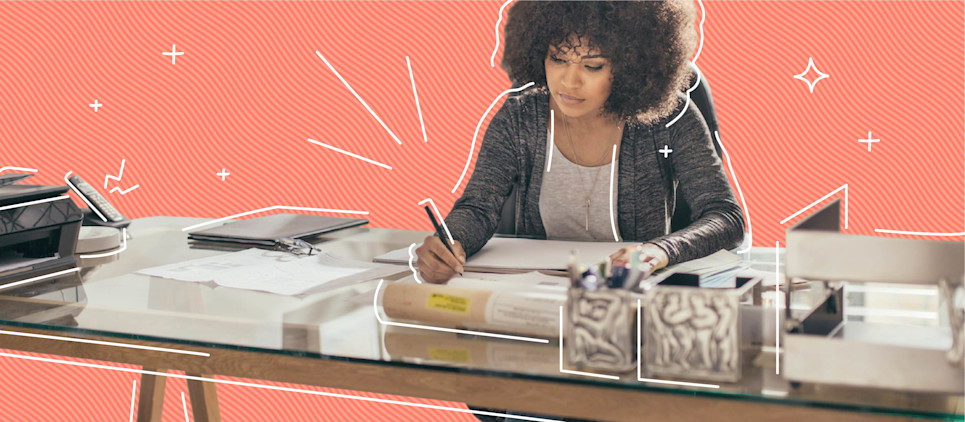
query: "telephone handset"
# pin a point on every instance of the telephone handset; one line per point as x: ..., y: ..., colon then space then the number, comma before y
x: 101, y: 213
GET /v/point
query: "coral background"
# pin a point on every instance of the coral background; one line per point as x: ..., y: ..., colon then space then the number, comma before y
x: 250, y: 91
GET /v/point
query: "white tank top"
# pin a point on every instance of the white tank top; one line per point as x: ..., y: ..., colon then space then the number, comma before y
x: 562, y: 203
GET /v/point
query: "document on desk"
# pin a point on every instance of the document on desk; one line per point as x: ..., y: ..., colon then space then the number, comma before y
x: 273, y: 271
x: 504, y: 254
x: 717, y: 270
x: 526, y: 304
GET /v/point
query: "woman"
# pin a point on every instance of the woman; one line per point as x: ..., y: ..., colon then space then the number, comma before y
x: 610, y: 74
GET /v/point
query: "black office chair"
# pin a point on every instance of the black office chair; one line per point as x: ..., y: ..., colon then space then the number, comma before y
x: 705, y: 103
x: 701, y: 98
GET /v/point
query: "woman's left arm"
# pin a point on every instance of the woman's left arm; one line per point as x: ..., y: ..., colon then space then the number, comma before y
x: 717, y: 221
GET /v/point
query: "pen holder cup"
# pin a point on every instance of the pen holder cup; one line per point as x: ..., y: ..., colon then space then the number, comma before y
x: 694, y: 332
x: 599, y: 330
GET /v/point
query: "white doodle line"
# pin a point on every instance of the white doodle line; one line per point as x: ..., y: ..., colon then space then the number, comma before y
x: 45, y: 276
x: 844, y: 186
x: 83, y: 197
x: 39, y: 201
x: 492, y: 58
x: 357, y: 97
x: 415, y: 274
x: 416, y: 95
x: 703, y: 16
x: 613, y: 166
x: 120, y: 174
x: 174, y: 53
x: 640, y: 361
x: 124, y: 192
x: 919, y: 233
x: 119, y: 250
x: 103, y: 343
x: 184, y: 405
x: 687, y: 104
x: 274, y: 207
x: 133, y: 396
x: 811, y: 84
x: 567, y: 371
x: 375, y: 308
x: 268, y: 387
x: 476, y: 133
x: 439, y: 217
x: 700, y: 48
x: 551, y: 149
x: 349, y: 153
x: 777, y: 307
x: 3, y: 169
x: 747, y: 214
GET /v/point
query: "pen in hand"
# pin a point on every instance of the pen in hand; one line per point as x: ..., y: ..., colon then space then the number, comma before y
x: 439, y: 232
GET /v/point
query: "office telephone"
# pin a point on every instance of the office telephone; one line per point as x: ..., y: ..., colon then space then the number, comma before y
x: 101, y: 212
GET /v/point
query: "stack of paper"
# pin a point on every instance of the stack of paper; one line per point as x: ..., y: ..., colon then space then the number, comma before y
x: 717, y: 270
x: 273, y: 271
x: 520, y: 255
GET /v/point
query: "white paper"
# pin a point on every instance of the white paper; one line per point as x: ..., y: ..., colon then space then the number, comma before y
x: 503, y: 253
x: 538, y: 311
x: 272, y: 271
x: 519, y: 281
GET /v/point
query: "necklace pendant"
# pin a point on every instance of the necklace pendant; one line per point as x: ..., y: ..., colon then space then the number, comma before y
x: 587, y: 216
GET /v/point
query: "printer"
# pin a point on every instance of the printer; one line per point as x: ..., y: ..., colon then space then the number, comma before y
x: 39, y: 228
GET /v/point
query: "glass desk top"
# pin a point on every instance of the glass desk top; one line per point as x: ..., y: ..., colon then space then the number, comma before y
x: 114, y: 301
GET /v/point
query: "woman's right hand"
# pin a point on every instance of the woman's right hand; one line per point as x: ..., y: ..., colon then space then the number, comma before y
x: 436, y: 264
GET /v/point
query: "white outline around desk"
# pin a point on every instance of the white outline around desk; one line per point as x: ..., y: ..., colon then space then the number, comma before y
x: 640, y: 360
x: 375, y: 309
x: 106, y: 343
x: 567, y: 371
x: 115, y: 252
x: 133, y: 396
x: 270, y: 387
x: 31, y: 280
x: 184, y: 405
x: 777, y: 308
x: 39, y: 201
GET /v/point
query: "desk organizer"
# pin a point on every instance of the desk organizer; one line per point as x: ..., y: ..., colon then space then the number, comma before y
x: 694, y: 332
x: 600, y: 329
x: 825, y: 347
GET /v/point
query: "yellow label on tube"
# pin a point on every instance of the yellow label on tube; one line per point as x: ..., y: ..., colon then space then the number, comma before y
x: 450, y: 355
x: 449, y: 303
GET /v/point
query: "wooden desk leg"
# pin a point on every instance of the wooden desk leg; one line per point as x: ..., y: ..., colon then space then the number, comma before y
x: 204, y: 400
x: 150, y: 401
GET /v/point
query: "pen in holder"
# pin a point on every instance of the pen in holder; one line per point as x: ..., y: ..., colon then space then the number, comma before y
x: 599, y: 320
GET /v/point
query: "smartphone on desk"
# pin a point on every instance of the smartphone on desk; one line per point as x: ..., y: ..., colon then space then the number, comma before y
x: 102, y: 213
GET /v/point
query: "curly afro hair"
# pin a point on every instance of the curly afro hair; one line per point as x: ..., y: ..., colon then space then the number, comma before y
x: 648, y: 44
